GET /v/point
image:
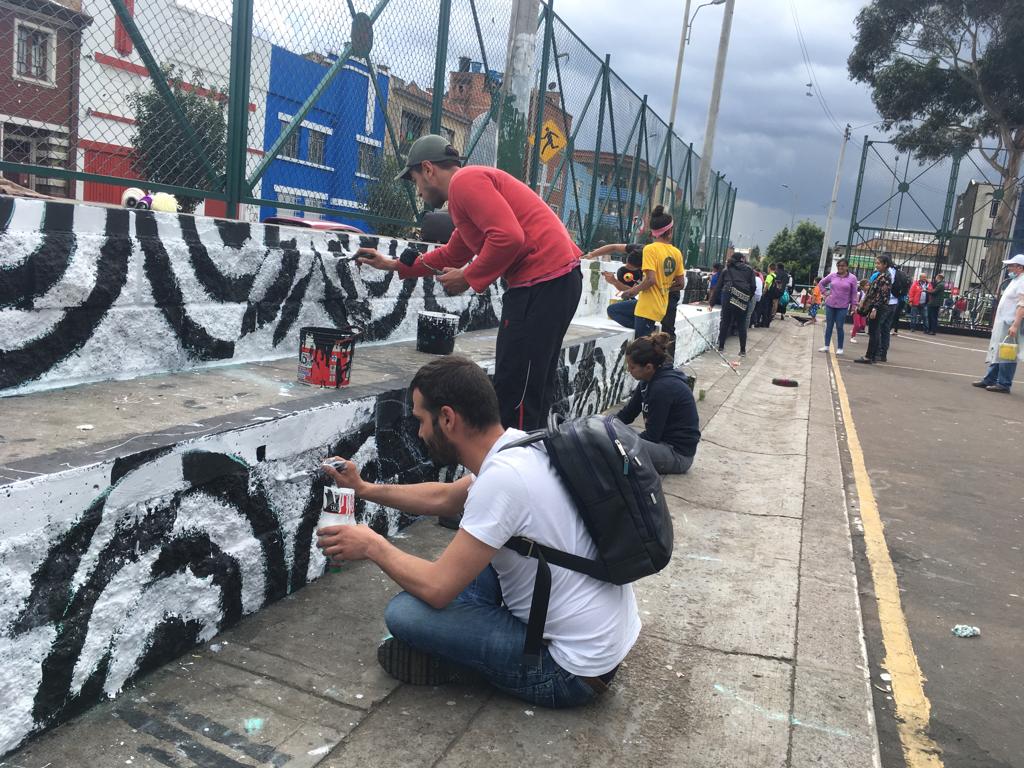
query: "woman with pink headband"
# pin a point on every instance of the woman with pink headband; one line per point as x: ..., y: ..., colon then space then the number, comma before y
x: 646, y: 303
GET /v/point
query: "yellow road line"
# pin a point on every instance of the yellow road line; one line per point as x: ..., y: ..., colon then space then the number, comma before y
x: 913, y: 710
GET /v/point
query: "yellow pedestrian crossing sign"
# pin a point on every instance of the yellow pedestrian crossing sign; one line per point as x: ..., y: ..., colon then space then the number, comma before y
x: 552, y: 141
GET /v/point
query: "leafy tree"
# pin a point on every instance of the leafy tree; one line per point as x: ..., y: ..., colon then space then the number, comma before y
x: 755, y: 254
x: 163, y: 153
x: 798, y: 249
x: 948, y: 75
x: 389, y: 198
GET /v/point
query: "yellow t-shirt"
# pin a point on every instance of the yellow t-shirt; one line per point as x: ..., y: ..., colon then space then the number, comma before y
x: 666, y: 261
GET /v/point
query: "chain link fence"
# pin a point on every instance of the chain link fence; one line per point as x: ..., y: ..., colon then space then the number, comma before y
x: 934, y: 217
x: 257, y: 109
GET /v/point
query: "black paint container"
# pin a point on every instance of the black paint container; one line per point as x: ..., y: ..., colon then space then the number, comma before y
x: 435, y: 333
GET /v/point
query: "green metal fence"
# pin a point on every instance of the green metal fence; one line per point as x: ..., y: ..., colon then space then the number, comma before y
x: 935, y: 217
x: 254, y: 107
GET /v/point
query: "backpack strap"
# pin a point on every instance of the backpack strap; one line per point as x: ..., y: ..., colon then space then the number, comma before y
x: 542, y: 587
x: 531, y: 437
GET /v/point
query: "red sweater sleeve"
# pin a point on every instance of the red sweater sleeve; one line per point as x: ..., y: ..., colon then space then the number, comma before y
x: 454, y: 254
x: 479, y: 201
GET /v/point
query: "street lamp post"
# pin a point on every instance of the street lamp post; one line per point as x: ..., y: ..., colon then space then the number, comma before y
x: 792, y: 218
x: 684, y: 38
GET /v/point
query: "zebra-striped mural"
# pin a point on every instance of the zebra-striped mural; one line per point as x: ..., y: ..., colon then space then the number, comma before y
x: 88, y: 293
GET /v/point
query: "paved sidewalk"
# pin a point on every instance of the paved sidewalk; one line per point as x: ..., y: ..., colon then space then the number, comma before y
x: 751, y: 652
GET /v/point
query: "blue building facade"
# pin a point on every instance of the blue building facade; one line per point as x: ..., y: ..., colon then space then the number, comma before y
x: 333, y: 156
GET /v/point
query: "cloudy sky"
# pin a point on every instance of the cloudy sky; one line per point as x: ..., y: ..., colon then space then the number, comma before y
x: 770, y: 132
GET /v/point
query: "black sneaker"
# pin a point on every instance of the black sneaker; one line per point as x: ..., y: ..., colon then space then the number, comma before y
x: 979, y: 384
x: 405, y: 663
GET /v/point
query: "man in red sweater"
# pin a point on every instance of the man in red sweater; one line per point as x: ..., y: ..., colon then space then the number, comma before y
x: 512, y: 234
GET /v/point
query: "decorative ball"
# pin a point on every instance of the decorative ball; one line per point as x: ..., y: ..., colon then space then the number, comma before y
x: 145, y: 202
x: 131, y: 196
x: 165, y: 202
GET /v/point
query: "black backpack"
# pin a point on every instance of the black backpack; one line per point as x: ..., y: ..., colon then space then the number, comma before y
x: 616, y: 490
x: 900, y: 284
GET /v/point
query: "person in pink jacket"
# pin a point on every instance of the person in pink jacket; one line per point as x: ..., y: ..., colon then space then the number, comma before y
x: 842, y: 298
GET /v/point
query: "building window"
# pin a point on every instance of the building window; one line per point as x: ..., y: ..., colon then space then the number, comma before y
x: 993, y: 210
x: 35, y: 54
x: 284, y: 197
x: 367, y: 160
x: 291, y: 147
x: 450, y: 135
x: 317, y: 145
x: 988, y: 236
x: 411, y: 128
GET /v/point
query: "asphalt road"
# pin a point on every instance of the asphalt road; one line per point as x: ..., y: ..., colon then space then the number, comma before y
x: 945, y: 462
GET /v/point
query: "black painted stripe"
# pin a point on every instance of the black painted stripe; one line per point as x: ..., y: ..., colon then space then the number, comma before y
x: 221, y: 287
x: 264, y: 311
x: 168, y: 296
x: 334, y: 302
x: 6, y: 213
x: 21, y: 284
x: 18, y: 366
x: 265, y: 754
x: 194, y: 551
x: 233, y: 233
x: 292, y: 306
x: 199, y: 756
x: 227, y: 478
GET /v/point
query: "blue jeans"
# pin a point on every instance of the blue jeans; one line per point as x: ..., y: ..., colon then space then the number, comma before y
x: 918, y: 318
x: 1001, y: 374
x: 835, y: 317
x: 624, y: 313
x: 477, y: 631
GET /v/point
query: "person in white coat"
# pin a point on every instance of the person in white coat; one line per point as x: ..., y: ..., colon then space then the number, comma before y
x: 1006, y: 328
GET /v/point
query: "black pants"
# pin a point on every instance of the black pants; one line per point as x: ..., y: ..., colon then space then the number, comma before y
x: 874, y: 336
x: 766, y: 311
x: 668, y: 323
x: 533, y: 324
x: 886, y: 322
x: 733, y: 316
x: 933, y: 319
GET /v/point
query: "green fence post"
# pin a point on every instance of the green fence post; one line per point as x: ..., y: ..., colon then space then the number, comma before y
x: 440, y: 65
x: 160, y: 83
x: 854, y: 224
x: 542, y: 89
x: 634, y: 183
x: 238, y: 102
x: 947, y: 214
x: 597, y: 156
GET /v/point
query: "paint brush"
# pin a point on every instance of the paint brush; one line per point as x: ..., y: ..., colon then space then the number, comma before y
x: 309, y: 474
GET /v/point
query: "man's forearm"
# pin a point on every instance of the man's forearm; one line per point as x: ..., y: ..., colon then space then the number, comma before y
x: 440, y: 499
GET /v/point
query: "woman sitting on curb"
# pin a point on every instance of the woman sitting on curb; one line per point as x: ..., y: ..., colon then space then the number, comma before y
x: 671, y: 426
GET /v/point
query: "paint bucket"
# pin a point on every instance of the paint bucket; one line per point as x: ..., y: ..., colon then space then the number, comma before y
x: 325, y: 356
x: 435, y: 333
x: 339, y: 507
x: 1007, y: 351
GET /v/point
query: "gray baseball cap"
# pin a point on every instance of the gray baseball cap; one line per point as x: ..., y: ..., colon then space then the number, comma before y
x: 431, y: 148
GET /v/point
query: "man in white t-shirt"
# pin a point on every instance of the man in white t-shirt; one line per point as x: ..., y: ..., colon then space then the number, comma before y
x: 465, y: 614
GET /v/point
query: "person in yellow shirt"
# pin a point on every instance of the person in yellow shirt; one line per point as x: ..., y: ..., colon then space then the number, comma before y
x: 645, y: 303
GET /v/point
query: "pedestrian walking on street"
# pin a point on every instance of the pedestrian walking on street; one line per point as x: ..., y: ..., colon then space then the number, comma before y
x: 860, y: 323
x: 917, y: 297
x: 737, y: 287
x: 502, y: 230
x: 815, y: 299
x: 1006, y: 325
x: 842, y: 298
x: 874, y: 307
x: 936, y: 292
x: 671, y: 426
x: 898, y: 285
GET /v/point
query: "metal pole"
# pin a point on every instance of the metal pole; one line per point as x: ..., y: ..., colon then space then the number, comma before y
x: 947, y: 215
x: 542, y: 91
x: 835, y: 200
x: 440, y: 65
x: 597, y: 155
x: 238, y: 102
x: 679, y: 67
x: 635, y: 181
x: 854, y: 224
x: 513, y: 117
x: 716, y: 101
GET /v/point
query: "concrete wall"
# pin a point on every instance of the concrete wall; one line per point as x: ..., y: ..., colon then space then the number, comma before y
x: 110, y: 570
x: 89, y: 293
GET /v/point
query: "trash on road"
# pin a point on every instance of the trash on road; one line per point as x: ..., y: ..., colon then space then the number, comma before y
x: 785, y: 383
x: 966, y: 630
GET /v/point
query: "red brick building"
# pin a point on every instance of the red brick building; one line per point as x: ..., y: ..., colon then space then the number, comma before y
x: 40, y: 42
